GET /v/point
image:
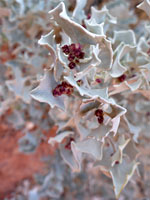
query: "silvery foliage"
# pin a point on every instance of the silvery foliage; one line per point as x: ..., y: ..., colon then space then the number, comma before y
x: 111, y: 50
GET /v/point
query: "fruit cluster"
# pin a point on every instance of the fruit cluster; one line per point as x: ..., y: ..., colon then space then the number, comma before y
x: 74, y: 52
x: 63, y: 88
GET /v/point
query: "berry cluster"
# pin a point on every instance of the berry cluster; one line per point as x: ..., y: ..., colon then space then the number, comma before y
x: 99, y: 114
x: 68, y: 145
x: 63, y: 88
x: 74, y: 52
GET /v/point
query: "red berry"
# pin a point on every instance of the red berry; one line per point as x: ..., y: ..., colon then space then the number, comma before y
x: 100, y: 119
x: 122, y: 78
x: 80, y: 55
x: 75, y: 48
x: 72, y: 65
x: 72, y: 47
x: 117, y: 162
x: 65, y: 49
x: 63, y: 88
x: 98, y: 80
x: 55, y: 93
x: 64, y: 84
x: 99, y: 112
x: 71, y: 57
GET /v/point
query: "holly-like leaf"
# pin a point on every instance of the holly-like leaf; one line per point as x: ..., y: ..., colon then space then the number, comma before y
x: 121, y: 174
x: 90, y: 146
x: 43, y: 92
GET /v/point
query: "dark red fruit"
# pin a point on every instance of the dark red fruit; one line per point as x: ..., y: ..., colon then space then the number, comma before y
x: 55, y: 93
x: 99, y: 112
x: 75, y: 48
x: 98, y: 80
x: 74, y: 54
x: 63, y: 88
x: 117, y: 162
x: 65, y: 49
x: 71, y: 57
x: 72, y: 65
x: 80, y: 55
x: 122, y: 78
x: 100, y: 119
